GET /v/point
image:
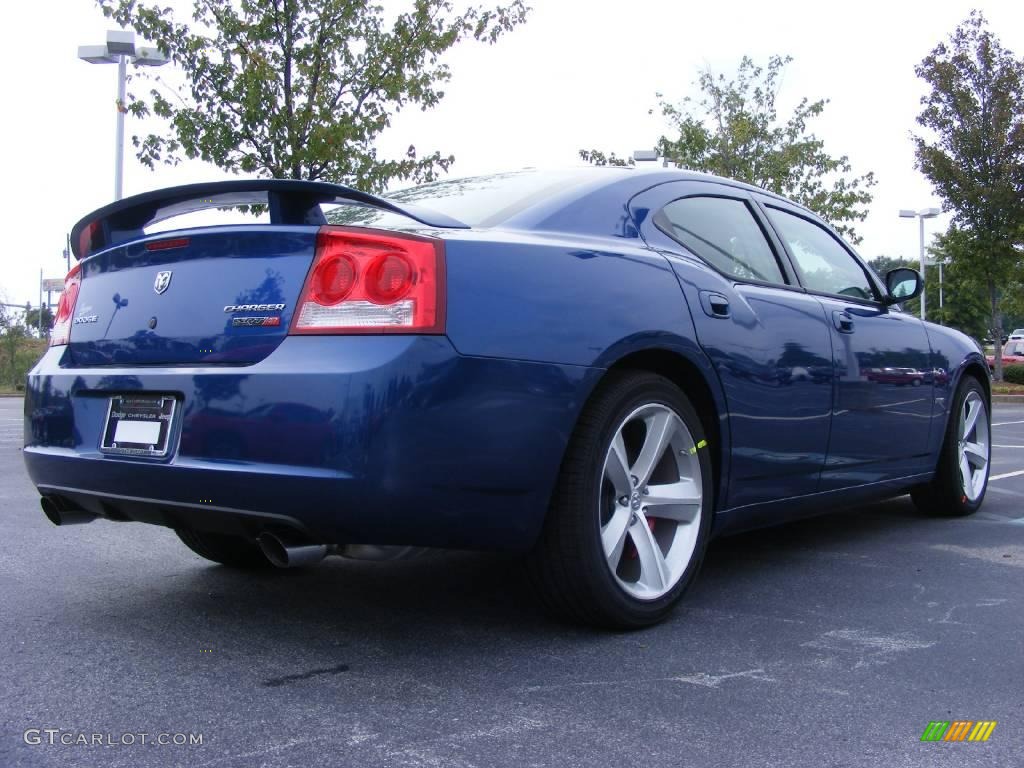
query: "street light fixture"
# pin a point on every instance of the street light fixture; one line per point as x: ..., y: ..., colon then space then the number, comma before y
x: 921, y: 215
x: 120, y: 47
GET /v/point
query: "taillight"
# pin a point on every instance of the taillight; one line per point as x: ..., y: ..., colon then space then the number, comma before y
x: 369, y: 281
x: 61, y: 332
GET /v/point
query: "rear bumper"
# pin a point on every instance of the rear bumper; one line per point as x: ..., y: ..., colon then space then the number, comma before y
x: 382, y: 440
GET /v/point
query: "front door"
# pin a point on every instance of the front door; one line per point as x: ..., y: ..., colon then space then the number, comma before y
x: 883, y: 382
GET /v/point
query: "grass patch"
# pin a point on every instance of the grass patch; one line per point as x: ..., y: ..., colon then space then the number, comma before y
x: 1005, y: 388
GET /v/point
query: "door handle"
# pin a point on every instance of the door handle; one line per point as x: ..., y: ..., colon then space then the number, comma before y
x: 842, y: 321
x: 714, y: 304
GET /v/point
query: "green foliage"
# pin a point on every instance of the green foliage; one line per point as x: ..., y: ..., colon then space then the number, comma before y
x: 965, y: 306
x: 300, y: 88
x: 963, y: 302
x: 974, y: 156
x: 18, y: 352
x: 1014, y: 374
x: 883, y: 264
x: 597, y: 157
x: 1012, y: 302
x: 734, y: 130
x: 32, y: 319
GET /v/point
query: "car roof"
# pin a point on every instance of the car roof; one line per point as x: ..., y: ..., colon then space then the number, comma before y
x: 597, y: 194
x: 644, y: 175
x: 575, y: 199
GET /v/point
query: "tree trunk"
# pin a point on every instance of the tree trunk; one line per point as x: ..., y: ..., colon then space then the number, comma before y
x: 12, y: 348
x: 997, y: 330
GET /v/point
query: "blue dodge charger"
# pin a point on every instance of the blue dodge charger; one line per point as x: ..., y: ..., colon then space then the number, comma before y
x: 601, y: 368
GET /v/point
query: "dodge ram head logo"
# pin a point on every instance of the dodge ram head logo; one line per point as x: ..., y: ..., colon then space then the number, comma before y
x: 162, y: 282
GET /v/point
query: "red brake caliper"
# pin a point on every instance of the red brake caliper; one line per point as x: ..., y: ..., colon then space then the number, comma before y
x: 631, y: 552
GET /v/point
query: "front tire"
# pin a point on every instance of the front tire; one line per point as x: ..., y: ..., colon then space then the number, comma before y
x: 631, y: 514
x: 961, y: 477
x: 232, y: 551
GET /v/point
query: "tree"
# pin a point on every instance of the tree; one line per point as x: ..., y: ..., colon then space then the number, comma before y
x: 1012, y: 304
x: 11, y: 335
x: 734, y: 130
x: 300, y: 89
x: 32, y: 320
x: 883, y: 264
x: 597, y: 157
x: 974, y: 157
x: 962, y: 304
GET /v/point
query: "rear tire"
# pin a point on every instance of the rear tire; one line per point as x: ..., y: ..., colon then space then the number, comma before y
x: 966, y: 450
x: 623, y: 539
x: 232, y: 551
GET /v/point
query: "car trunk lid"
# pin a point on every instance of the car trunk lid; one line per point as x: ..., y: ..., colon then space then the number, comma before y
x: 214, y: 295
x: 221, y: 295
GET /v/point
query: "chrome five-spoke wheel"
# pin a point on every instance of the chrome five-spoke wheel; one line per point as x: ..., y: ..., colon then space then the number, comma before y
x: 961, y: 474
x: 973, y: 446
x: 630, y: 517
x: 651, y: 501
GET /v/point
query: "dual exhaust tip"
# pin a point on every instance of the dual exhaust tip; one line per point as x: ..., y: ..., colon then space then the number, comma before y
x: 289, y: 553
x: 281, y: 550
x: 60, y: 512
x: 285, y: 553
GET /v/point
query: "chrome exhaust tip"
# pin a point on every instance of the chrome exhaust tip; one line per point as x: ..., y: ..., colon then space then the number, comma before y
x: 286, y: 554
x: 58, y: 513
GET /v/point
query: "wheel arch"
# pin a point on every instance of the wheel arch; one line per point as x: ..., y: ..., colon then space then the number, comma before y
x: 697, y: 382
x: 979, y: 371
x: 975, y: 368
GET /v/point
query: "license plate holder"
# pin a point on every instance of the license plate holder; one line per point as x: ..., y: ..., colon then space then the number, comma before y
x: 139, y: 425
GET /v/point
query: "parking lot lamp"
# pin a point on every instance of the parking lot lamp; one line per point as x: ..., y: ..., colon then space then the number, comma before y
x: 921, y: 215
x: 119, y: 48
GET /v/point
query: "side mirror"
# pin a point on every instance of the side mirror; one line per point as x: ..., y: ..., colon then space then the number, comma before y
x: 903, y: 284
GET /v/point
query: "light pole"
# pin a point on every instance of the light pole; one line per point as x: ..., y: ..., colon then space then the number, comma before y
x: 921, y: 215
x: 120, y: 47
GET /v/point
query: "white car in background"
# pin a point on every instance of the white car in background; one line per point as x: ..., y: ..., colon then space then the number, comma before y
x: 1017, y: 335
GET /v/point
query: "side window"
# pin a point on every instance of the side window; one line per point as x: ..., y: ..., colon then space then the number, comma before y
x: 724, y: 233
x: 824, y: 265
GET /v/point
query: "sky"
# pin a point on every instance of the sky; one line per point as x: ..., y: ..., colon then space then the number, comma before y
x: 579, y: 74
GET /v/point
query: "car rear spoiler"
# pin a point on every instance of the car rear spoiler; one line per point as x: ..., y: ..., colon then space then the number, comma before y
x: 290, y: 202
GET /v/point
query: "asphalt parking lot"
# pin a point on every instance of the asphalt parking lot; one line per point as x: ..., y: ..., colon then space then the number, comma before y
x: 829, y: 642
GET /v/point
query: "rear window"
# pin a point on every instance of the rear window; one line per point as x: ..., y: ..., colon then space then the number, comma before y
x: 479, y: 201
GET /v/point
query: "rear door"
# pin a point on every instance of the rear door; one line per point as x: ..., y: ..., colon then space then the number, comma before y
x: 883, y: 393
x: 768, y: 340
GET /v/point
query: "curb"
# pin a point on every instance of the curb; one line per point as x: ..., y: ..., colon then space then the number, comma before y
x: 1008, y: 399
x: 11, y: 394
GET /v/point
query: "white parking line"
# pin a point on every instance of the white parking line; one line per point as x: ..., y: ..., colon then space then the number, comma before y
x: 994, y: 445
x: 1004, y: 491
x: 1005, y: 423
x: 1007, y: 474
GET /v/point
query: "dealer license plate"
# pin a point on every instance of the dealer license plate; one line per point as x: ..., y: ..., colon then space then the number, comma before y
x: 138, y: 425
